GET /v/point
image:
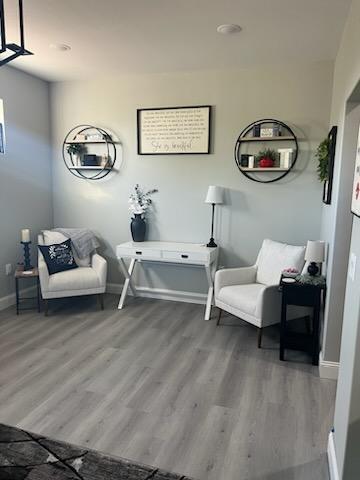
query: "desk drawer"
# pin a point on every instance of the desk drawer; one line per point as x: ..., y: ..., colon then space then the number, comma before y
x: 138, y: 252
x: 186, y: 257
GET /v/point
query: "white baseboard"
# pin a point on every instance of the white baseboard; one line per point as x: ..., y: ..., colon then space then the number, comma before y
x: 333, y: 467
x: 328, y: 369
x: 161, y: 294
x: 9, y: 300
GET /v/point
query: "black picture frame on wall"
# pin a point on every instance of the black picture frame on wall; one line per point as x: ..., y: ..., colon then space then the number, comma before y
x: 328, y: 184
x: 181, y: 145
x: 2, y: 142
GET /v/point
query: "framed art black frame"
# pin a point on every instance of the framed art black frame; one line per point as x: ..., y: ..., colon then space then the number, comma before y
x: 327, y: 189
x: 2, y: 140
x: 139, y: 131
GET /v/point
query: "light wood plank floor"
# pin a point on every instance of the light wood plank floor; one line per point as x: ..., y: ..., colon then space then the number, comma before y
x: 157, y: 384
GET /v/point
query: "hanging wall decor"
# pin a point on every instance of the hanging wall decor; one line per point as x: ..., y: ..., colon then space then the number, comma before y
x: 266, y: 150
x: 355, y: 203
x: 328, y: 182
x: 174, y: 131
x: 89, y: 152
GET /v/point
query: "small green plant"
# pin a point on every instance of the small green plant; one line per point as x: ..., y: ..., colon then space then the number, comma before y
x: 74, y: 149
x: 322, y: 156
x: 267, y: 153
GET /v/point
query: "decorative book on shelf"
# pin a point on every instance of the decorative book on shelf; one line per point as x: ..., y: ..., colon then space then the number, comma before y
x: 89, y: 152
x: 266, y: 150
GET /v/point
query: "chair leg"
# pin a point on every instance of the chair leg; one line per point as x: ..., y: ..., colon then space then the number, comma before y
x: 259, y: 337
x: 46, y: 310
x: 101, y: 301
x: 219, y: 317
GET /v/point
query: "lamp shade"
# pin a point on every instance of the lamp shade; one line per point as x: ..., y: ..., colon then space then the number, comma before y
x: 315, y: 251
x: 215, y: 195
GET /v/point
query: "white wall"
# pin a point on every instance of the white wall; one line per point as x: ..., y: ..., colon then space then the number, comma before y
x: 342, y: 231
x: 25, y: 177
x: 288, y: 210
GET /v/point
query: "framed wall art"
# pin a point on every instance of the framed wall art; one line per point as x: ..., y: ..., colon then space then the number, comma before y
x: 2, y: 140
x: 174, y: 130
x: 327, y: 191
x: 355, y: 203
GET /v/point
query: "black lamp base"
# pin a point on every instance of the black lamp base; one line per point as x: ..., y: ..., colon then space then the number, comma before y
x: 313, y: 269
x: 212, y: 243
x: 27, y: 264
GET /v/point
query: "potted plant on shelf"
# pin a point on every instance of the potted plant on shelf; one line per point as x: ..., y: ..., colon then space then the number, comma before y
x: 75, y: 150
x: 139, y: 202
x: 322, y: 155
x: 266, y: 158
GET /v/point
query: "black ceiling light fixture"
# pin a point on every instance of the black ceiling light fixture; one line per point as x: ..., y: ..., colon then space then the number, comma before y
x: 10, y: 51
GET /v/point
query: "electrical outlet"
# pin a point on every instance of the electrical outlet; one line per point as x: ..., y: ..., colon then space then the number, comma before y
x: 8, y: 269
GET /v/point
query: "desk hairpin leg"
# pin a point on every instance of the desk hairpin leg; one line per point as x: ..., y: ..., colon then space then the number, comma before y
x: 128, y: 282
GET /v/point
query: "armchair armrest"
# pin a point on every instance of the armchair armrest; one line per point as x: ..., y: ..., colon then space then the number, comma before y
x: 43, y: 273
x: 269, y: 305
x: 99, y: 264
x: 234, y: 276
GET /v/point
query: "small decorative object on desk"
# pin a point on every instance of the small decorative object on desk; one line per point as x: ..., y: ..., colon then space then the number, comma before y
x: 25, y: 241
x: 290, y: 273
x: 90, y: 160
x: 285, y: 157
x: 266, y: 158
x: 266, y: 132
x: 75, y: 150
x: 139, y: 202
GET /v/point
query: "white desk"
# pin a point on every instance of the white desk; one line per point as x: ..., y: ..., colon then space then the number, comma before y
x: 167, y: 252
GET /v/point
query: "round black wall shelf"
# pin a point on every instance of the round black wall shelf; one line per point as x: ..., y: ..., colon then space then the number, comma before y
x: 264, y: 134
x: 89, y: 152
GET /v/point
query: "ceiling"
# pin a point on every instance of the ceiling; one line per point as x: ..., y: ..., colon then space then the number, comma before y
x: 151, y: 36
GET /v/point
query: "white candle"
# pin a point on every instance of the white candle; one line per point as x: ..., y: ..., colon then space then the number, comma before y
x: 25, y: 235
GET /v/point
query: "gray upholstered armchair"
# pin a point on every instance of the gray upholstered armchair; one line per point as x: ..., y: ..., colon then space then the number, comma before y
x: 88, y: 279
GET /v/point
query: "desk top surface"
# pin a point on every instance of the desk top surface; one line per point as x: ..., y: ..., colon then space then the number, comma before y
x: 168, y: 246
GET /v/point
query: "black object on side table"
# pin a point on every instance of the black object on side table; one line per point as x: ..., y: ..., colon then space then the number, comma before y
x: 306, y: 295
x: 20, y: 273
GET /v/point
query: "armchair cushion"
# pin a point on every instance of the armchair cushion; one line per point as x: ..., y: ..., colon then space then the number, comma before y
x: 50, y: 237
x: 274, y: 257
x: 58, y: 257
x: 244, y: 298
x: 81, y: 279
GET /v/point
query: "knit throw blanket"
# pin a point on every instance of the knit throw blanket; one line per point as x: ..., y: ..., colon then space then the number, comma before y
x: 83, y: 240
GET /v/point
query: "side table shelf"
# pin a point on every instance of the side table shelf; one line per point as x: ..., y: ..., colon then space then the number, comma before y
x: 20, y: 274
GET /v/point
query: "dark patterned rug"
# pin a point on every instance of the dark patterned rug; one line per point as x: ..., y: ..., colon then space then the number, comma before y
x: 24, y: 455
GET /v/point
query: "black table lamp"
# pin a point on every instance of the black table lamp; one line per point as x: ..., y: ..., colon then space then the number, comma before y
x: 214, y: 197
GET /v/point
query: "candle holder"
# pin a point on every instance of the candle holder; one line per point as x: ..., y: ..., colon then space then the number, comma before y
x: 27, y: 264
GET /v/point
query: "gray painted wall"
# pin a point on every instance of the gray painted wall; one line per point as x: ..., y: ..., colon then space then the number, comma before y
x: 342, y: 230
x: 347, y: 410
x: 25, y: 176
x: 336, y: 218
x: 289, y: 210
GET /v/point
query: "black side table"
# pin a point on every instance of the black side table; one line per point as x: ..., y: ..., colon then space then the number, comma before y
x: 305, y: 295
x: 21, y: 274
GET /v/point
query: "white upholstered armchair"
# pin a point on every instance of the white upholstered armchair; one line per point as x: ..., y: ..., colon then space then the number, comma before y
x: 88, y: 279
x: 252, y: 293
